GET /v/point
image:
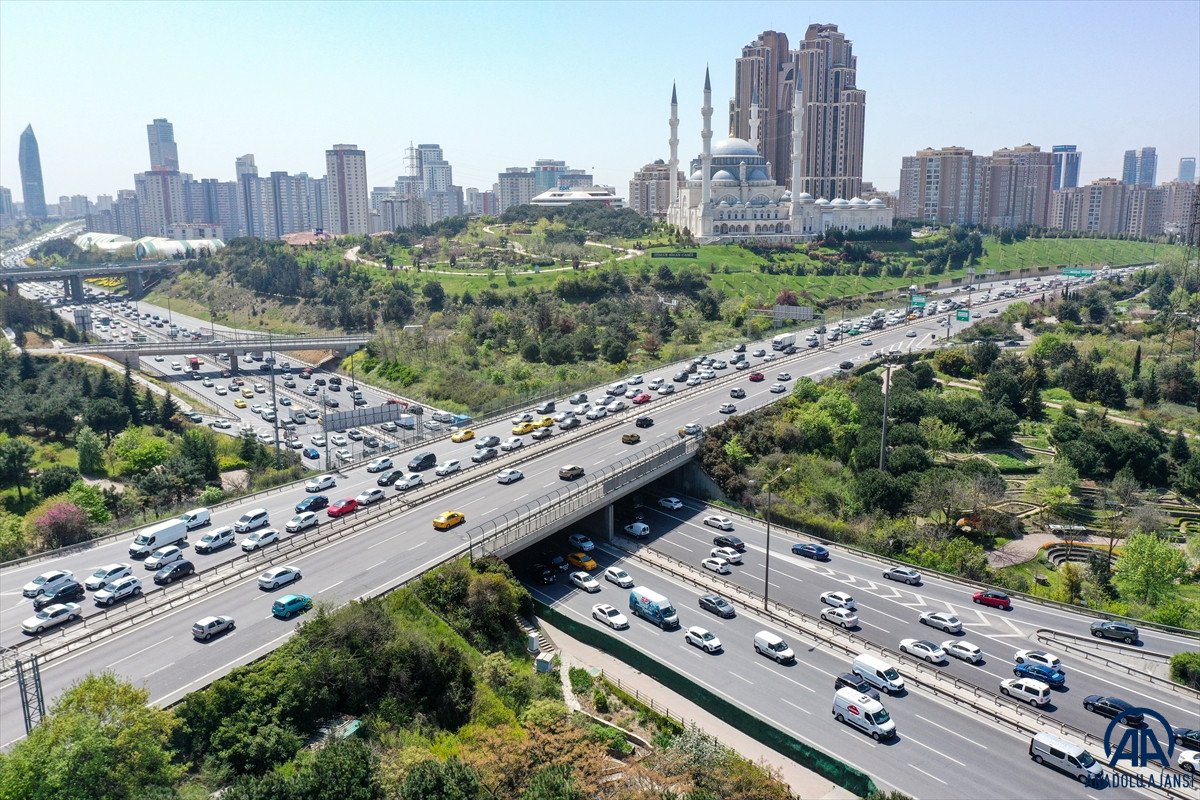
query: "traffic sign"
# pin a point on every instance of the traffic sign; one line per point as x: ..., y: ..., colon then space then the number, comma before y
x: 962, y: 315
x: 1076, y: 272
x: 918, y: 301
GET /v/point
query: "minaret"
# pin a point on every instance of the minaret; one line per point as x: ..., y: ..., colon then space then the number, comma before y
x: 706, y: 136
x: 797, y: 141
x: 674, y: 142
x: 754, y: 119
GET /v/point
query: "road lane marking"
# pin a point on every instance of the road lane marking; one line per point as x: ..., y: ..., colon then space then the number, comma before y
x: 330, y: 586
x: 926, y: 774
x: 944, y: 729
x: 160, y: 669
x: 139, y: 652
x: 800, y: 708
x: 910, y: 738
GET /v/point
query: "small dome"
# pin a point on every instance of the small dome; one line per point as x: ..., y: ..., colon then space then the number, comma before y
x: 822, y: 202
x: 805, y: 197
x: 786, y: 196
x: 756, y: 174
x: 877, y: 202
x: 697, y: 176
x: 839, y: 201
x: 724, y: 175
x: 733, y: 147
x: 858, y: 201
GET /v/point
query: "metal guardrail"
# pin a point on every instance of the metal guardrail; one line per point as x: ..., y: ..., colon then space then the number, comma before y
x: 1049, y: 636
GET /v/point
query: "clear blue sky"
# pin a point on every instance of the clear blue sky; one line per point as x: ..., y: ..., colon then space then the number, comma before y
x: 500, y: 84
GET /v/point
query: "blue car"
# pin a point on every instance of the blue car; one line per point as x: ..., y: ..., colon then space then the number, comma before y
x: 1055, y: 677
x: 312, y: 452
x: 290, y: 605
x: 814, y: 551
x: 313, y: 502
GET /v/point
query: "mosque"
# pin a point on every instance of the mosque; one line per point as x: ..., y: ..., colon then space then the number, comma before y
x: 731, y: 195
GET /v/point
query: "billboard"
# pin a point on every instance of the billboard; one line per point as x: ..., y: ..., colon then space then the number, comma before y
x: 792, y: 312
x: 367, y: 415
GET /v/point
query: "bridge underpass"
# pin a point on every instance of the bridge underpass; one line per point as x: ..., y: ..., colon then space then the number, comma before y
x: 132, y: 352
x: 73, y: 277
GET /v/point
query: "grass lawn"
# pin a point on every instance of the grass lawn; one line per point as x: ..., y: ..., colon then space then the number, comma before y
x: 45, y: 454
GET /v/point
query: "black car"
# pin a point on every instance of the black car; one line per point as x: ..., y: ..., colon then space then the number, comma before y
x: 809, y: 550
x: 679, y: 377
x: 1113, y: 707
x: 336, y: 380
x: 846, y: 365
x: 1188, y: 738
x: 725, y: 540
x: 739, y: 348
x: 1111, y: 629
x: 371, y: 442
x: 643, y: 422
x: 791, y: 350
x: 485, y: 454
x: 389, y: 477
x: 174, y: 571
x: 70, y: 591
x: 331, y: 403
x: 542, y: 574
x: 555, y: 560
x: 422, y: 461
x: 569, y: 423
x: 849, y: 679
x: 314, y: 502
x: 319, y: 381
x: 487, y: 441
x: 717, y: 605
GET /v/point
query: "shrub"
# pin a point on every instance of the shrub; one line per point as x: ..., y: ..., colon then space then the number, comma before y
x: 600, y: 700
x: 611, y: 738
x: 581, y: 680
x: 56, y: 523
x: 211, y: 496
x: 1185, y: 669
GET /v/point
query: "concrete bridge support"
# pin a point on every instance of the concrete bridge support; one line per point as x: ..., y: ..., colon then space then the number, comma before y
x: 76, y: 286
x: 10, y: 286
x: 235, y: 366
x: 133, y: 283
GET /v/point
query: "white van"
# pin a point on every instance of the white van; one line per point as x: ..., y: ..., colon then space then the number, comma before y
x: 616, y: 389
x: 859, y: 710
x: 1048, y: 749
x: 161, y: 534
x: 878, y: 673
x: 772, y: 646
x: 252, y: 520
x: 196, y: 518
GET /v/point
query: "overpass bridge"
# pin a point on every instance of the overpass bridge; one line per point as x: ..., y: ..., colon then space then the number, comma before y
x: 72, y: 277
x: 131, y: 352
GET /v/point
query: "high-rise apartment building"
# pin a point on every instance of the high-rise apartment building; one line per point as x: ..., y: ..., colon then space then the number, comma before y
x: 650, y: 189
x: 515, y: 188
x: 575, y: 179
x: 1179, y: 198
x: 765, y: 76
x: 1187, y: 170
x: 8, y: 212
x: 127, y: 214
x: 1112, y: 207
x: 160, y: 200
x: 947, y: 186
x: 33, y: 190
x: 1140, y: 167
x: 1019, y: 181
x: 1066, y: 166
x: 1144, y: 211
x: 349, y: 209
x: 164, y: 154
x: 545, y: 174
x: 315, y: 199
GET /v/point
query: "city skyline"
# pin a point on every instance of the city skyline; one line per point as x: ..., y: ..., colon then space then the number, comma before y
x: 603, y: 116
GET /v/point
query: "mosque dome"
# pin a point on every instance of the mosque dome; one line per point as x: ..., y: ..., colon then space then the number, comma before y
x: 757, y: 174
x: 698, y: 175
x: 733, y: 147
x: 876, y: 203
x: 857, y: 201
x: 805, y: 197
x: 822, y: 202
x: 724, y: 175
x: 840, y: 202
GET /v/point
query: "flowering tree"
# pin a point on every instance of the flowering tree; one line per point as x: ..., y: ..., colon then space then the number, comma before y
x: 56, y: 523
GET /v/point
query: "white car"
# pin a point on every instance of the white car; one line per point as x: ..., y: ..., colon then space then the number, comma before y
x: 278, y: 576
x: 1035, y: 692
x: 260, y: 538
x: 163, y: 556
x: 840, y: 616
x: 302, y: 521
x: 318, y: 440
x: 636, y: 380
x: 702, y: 638
x: 107, y: 574
x: 726, y: 553
x: 380, y: 465
x: 838, y: 600
x: 942, y: 620
x: 609, y: 616
x: 519, y: 418
x: 221, y: 391
x: 783, y: 376
x: 206, y: 383
x: 694, y: 380
x: 448, y: 467
x: 580, y: 541
x: 618, y: 405
x: 410, y: 481
x: 670, y: 503
x: 963, y: 650
x: 585, y: 581
x: 320, y: 483
x: 637, y: 530
x: 719, y: 522
x: 339, y: 440
x: 598, y: 412
x: 222, y: 424
x: 343, y: 454
x: 1038, y: 657
x: 46, y: 582
x: 509, y: 475
x: 778, y: 388
x: 390, y: 427
x: 119, y: 589
x: 922, y: 648
x: 717, y: 565
x: 368, y: 496
x: 1189, y: 761
x: 512, y: 443
x: 50, y: 616
x: 618, y: 576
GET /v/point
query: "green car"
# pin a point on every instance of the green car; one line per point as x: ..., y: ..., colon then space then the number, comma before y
x: 290, y: 605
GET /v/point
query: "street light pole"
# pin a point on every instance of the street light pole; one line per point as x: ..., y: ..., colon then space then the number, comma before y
x: 767, y: 569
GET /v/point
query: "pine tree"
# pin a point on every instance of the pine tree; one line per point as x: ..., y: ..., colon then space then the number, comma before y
x: 167, y: 411
x: 1137, y: 364
x: 85, y: 385
x: 105, y: 387
x: 149, y: 406
x: 1150, y: 393
x: 1179, y: 451
x: 129, y: 398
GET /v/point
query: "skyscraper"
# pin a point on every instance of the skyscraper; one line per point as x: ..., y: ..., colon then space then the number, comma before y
x: 1066, y: 166
x: 349, y: 208
x: 650, y: 189
x: 160, y: 199
x: 163, y: 152
x: 33, y: 191
x: 1187, y: 170
x: 1019, y: 182
x: 1140, y: 167
x: 947, y: 185
x: 765, y: 76
x: 515, y: 188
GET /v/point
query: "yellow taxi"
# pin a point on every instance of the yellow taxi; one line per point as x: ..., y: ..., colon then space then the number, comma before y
x: 448, y: 519
x: 239, y: 403
x: 465, y: 435
x: 545, y: 422
x: 247, y: 393
x: 524, y: 428
x: 582, y: 561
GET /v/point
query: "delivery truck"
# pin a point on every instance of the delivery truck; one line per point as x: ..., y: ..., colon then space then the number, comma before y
x: 193, y: 363
x: 783, y: 341
x: 654, y: 607
x: 161, y: 534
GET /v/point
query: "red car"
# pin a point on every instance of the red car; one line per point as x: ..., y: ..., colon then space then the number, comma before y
x: 757, y: 376
x: 343, y: 507
x: 993, y: 598
x: 391, y: 401
x: 641, y: 399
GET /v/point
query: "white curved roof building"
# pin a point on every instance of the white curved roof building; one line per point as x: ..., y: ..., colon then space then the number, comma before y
x: 591, y: 195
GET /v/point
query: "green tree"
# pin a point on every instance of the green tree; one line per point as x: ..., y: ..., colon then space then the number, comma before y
x: 106, y: 415
x: 553, y: 782
x: 129, y: 397
x: 1148, y: 569
x: 16, y: 458
x: 91, y: 500
x: 435, y: 295
x: 1137, y: 365
x: 12, y: 537
x: 90, y: 451
x: 102, y: 740
x: 1150, y: 393
x: 54, y: 480
x: 167, y: 411
x: 199, y: 446
x: 1070, y: 583
x: 939, y: 436
x: 449, y: 780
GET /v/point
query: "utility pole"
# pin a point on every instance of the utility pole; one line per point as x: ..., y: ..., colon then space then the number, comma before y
x: 270, y: 361
x: 887, y: 385
x: 325, y: 427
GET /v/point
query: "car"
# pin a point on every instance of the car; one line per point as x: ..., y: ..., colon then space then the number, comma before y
x: 581, y: 541
x: 584, y: 581
x: 615, y: 407
x: 911, y: 334
x: 717, y: 565
x: 568, y: 423
x: 852, y: 681
x: 50, y: 616
x: 1189, y: 761
x: 1048, y: 675
x: 368, y: 496
x: 103, y: 575
x: 993, y: 310
x: 1038, y: 657
x: 290, y: 605
x: 963, y: 650
x: 544, y: 422
x: 840, y: 616
x: 174, y: 571
x: 783, y: 376
x: 524, y: 428
x: 599, y: 412
x: 1113, y: 707
x: 718, y: 605
x: 618, y: 576
x: 450, y: 466
x: 409, y: 481
x: 46, y: 582
x: 332, y: 403
x: 448, y: 519
x: 163, y: 556
x: 630, y: 438
x: 778, y: 388
x: 65, y: 593
x: 728, y: 408
x: 260, y: 538
x: 389, y: 477
x: 576, y: 399
x: 609, y: 615
x: 120, y: 589
x: 314, y: 502
x: 519, y: 418
x: 481, y: 455
x: 641, y: 399
x: 221, y: 424
x: 512, y: 443
x: 510, y: 475
x: 380, y: 465
x: 810, y: 550
x: 737, y: 393
x: 570, y: 472
x: 923, y: 648
x: 465, y: 435
x: 643, y: 422
x: 1112, y: 629
x: 581, y: 560
x: 756, y: 377
x: 993, y: 598
x: 838, y: 600
x: 903, y: 574
x: 320, y: 483
x: 638, y: 530
x: 205, y: 628
x: 702, y: 638
x: 1034, y: 692
x: 303, y: 521
x: 942, y: 620
x: 342, y: 507
x: 670, y: 503
x: 542, y: 574
x: 278, y: 576
x: 1187, y: 737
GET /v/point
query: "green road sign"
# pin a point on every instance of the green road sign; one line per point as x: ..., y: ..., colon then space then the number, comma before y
x: 962, y: 315
x: 918, y: 301
x: 1075, y: 272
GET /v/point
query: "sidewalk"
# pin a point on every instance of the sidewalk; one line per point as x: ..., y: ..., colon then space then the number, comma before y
x: 805, y: 784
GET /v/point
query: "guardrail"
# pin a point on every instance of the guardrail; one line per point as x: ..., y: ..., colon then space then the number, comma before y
x: 1050, y: 636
